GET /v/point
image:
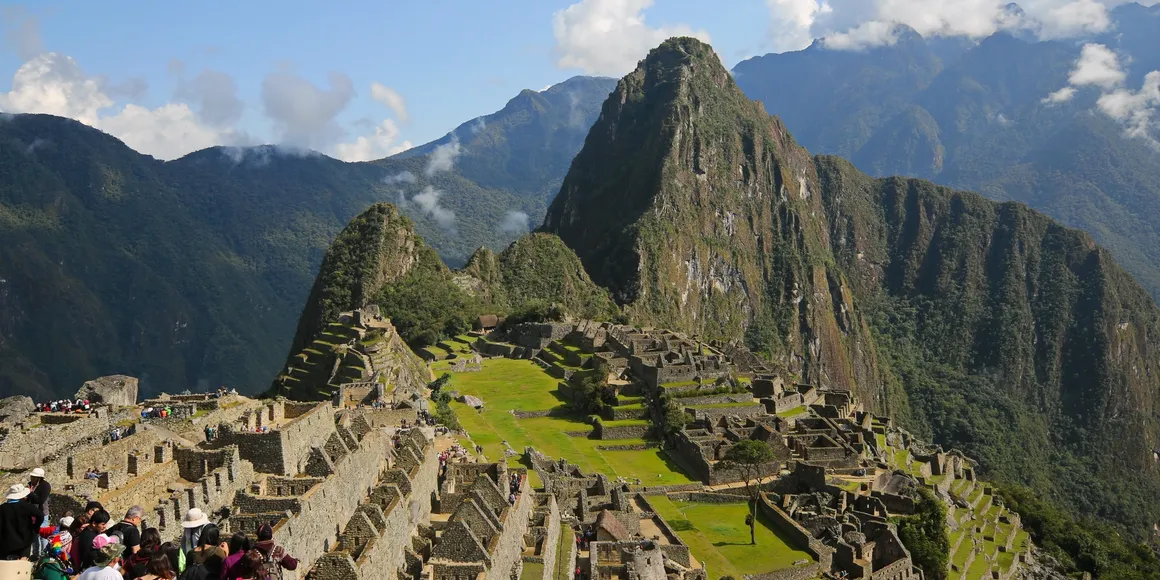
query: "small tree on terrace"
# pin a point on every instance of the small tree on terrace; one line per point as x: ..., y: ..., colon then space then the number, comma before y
x: 748, y: 458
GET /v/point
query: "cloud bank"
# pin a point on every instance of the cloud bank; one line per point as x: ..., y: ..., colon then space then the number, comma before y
x: 608, y: 37
x: 514, y: 222
x: 1100, y: 67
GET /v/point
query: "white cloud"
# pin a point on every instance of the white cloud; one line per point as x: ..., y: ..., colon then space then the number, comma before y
x: 1098, y: 66
x: 392, y: 99
x: 53, y: 83
x: 377, y: 145
x: 1135, y: 109
x: 859, y: 24
x: 608, y: 37
x: 514, y: 222
x: 863, y: 36
x: 304, y: 114
x: 401, y: 177
x: 443, y: 157
x: 428, y: 201
x: 1061, y: 96
x: 791, y: 21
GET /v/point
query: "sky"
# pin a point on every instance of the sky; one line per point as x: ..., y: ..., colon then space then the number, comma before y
x: 362, y: 80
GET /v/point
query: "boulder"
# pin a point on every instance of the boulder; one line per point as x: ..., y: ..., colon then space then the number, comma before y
x: 119, y: 390
x: 15, y: 408
x: 473, y: 402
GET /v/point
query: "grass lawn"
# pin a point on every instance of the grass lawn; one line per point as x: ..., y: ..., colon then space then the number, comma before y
x: 794, y: 412
x: 532, y: 571
x: 507, y: 384
x: 567, y: 540
x: 723, y: 405
x: 719, y: 538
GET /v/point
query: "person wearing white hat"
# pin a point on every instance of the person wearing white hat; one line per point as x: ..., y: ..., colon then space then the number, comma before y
x: 39, y: 489
x: 193, y: 522
x: 19, y: 523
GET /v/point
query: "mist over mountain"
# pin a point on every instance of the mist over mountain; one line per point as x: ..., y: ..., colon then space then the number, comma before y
x: 193, y: 272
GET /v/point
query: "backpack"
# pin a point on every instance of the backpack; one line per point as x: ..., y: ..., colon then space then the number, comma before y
x: 196, y: 571
x: 272, y: 564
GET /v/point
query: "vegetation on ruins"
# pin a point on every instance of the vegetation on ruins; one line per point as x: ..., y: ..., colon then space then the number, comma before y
x: 590, y: 390
x: 673, y: 417
x: 925, y: 534
x: 426, y: 305
x: 442, y: 401
x: 749, y: 458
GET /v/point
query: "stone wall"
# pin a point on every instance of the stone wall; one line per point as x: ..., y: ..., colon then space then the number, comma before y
x: 286, y: 449
x: 27, y: 448
x: 508, y: 549
x: 329, y: 505
x: 797, y: 534
x: 621, y: 432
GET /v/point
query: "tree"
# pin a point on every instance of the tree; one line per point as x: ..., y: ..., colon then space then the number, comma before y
x: 590, y: 390
x: 672, y: 415
x: 925, y: 535
x: 749, y: 458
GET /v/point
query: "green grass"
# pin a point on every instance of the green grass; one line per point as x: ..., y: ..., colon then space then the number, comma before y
x: 567, y: 539
x: 532, y: 571
x: 794, y: 412
x: 625, y: 423
x: 506, y: 384
x: 723, y: 406
x: 719, y: 539
x: 632, y: 407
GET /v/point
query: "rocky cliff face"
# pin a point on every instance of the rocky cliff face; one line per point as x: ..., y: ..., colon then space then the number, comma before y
x: 982, y: 326
x: 377, y: 247
x: 700, y: 213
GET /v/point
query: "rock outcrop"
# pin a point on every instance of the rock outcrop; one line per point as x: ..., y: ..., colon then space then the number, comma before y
x: 116, y: 390
x: 16, y: 408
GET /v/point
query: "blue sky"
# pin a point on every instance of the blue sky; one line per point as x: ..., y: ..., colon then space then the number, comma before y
x: 300, y: 73
x: 450, y: 61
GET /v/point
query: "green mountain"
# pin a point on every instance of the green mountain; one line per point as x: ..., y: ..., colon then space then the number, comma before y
x: 973, y: 117
x: 191, y: 272
x: 980, y: 325
x: 379, y: 262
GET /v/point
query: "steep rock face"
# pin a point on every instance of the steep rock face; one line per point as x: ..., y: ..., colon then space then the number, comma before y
x: 697, y: 210
x: 983, y: 326
x: 377, y: 247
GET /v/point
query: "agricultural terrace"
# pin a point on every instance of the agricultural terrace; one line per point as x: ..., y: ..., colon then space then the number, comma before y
x: 505, y: 385
x: 718, y: 538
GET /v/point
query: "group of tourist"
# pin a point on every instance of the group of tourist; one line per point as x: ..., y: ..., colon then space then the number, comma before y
x: 119, y: 433
x: 65, y: 406
x: 156, y: 412
x: 515, y: 480
x: 88, y: 547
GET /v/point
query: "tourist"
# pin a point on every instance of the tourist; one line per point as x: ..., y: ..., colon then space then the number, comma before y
x: 93, y: 506
x: 130, y: 530
x: 211, y: 551
x: 137, y: 562
x: 193, y: 523
x: 275, y: 556
x: 53, y: 565
x: 75, y: 529
x: 173, y: 553
x: 19, y: 522
x: 250, y: 567
x: 239, y: 545
x: 85, y: 548
x: 38, y: 490
x: 105, y: 561
x: 158, y: 568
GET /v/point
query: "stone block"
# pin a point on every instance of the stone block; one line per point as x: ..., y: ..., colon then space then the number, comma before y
x: 116, y: 390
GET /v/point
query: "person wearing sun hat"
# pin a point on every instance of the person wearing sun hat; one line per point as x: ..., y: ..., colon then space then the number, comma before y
x: 193, y: 522
x: 105, y: 560
x: 38, y: 490
x: 19, y: 522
